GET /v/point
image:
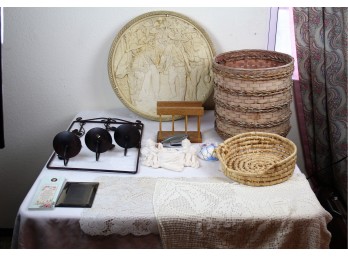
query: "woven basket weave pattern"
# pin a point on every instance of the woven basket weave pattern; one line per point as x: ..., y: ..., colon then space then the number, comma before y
x: 252, y: 87
x: 226, y: 130
x: 263, y: 119
x: 253, y: 92
x: 257, y: 158
x: 254, y: 102
x: 267, y: 65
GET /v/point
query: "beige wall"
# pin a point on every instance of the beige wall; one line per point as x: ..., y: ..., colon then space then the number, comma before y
x: 55, y: 65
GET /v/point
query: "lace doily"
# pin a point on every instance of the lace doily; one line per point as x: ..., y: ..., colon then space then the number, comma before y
x: 125, y: 206
x: 121, y: 206
x: 209, y: 212
x: 221, y: 215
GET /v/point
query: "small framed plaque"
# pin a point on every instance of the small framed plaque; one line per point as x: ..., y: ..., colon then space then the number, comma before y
x: 77, y: 194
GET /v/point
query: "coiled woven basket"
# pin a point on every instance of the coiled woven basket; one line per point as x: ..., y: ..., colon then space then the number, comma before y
x: 252, y: 92
x: 257, y: 158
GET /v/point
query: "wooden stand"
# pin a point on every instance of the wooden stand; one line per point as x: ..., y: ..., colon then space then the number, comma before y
x: 185, y: 108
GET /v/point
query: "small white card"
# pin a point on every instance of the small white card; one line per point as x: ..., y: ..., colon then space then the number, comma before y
x: 47, y: 193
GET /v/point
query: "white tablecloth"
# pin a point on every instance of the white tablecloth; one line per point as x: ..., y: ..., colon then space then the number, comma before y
x: 60, y: 228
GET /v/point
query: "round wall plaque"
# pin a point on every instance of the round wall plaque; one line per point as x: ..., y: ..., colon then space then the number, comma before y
x: 160, y: 56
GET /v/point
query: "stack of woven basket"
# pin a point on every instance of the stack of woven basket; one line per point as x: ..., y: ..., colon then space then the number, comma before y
x: 252, y: 92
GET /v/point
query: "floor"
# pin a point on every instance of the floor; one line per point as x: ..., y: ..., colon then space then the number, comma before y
x: 5, y: 238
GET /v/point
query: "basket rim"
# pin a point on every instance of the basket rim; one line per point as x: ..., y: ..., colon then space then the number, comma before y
x: 256, y: 133
x: 290, y: 64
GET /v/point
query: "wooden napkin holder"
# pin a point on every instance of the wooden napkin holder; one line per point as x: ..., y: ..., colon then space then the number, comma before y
x: 180, y: 108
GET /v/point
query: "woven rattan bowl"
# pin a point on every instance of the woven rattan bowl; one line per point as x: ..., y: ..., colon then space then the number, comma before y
x: 257, y: 158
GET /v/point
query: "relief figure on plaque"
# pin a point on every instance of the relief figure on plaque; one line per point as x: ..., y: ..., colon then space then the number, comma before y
x: 200, y: 74
x: 175, y: 67
x: 162, y: 59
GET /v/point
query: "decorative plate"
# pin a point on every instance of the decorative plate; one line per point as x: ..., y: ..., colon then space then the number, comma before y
x: 160, y: 56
